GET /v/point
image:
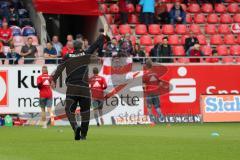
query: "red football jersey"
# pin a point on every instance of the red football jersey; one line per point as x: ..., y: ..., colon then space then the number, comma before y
x: 98, y: 85
x: 152, y: 82
x: 44, y: 85
x: 6, y: 34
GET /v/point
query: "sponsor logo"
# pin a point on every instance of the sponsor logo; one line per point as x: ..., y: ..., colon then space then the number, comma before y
x: 3, y: 89
x: 217, y: 104
x: 183, y: 89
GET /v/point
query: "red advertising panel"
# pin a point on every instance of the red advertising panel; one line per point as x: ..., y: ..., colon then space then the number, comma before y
x: 190, y: 82
x: 220, y: 108
x: 3, y: 89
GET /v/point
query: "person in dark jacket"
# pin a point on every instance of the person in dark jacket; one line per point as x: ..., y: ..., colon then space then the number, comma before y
x: 112, y: 48
x: 138, y: 54
x: 189, y: 42
x: 162, y: 16
x: 123, y: 11
x: 177, y: 14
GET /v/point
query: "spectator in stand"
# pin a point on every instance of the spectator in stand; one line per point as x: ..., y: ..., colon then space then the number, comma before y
x: 6, y: 34
x: 79, y: 38
x: 29, y: 51
x: 195, y: 52
x: 177, y: 14
x: 57, y: 45
x: 214, y: 54
x: 13, y: 56
x: 112, y: 48
x: 134, y: 2
x: 164, y: 50
x: 138, y: 54
x: 50, y: 52
x: 148, y: 9
x: 126, y: 46
x: 68, y: 49
x: 13, y: 16
x: 162, y: 16
x: 70, y: 38
x: 189, y: 42
x: 155, y: 52
x: 2, y: 55
x: 123, y: 11
x: 85, y: 44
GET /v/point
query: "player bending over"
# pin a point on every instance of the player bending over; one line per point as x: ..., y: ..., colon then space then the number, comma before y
x: 45, y: 91
x: 97, y: 85
x: 151, y: 85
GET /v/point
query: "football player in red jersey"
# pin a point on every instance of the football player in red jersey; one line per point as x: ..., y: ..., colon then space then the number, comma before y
x: 44, y: 85
x: 151, y: 85
x: 97, y: 85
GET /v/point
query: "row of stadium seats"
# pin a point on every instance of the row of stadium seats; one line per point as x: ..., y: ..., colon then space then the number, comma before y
x: 25, y: 31
x: 192, y: 8
x: 182, y: 29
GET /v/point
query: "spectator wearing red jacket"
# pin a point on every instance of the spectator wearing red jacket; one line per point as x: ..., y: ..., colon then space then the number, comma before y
x: 44, y: 82
x: 6, y: 34
x: 123, y: 11
x: 68, y: 49
x: 97, y: 85
x: 195, y: 52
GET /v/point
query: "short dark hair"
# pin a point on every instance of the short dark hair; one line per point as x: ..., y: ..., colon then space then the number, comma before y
x: 29, y: 38
x: 165, y: 38
x: 77, y: 45
x: 95, y: 70
x: 149, y: 63
x: 101, y: 30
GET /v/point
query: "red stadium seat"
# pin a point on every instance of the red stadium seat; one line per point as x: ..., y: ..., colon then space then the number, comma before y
x: 235, y: 50
x: 212, y: 18
x: 146, y: 40
x: 189, y: 18
x: 225, y: 18
x: 168, y: 29
x: 173, y: 40
x: 194, y: 8
x: 141, y: 29
x: 103, y: 8
x: 154, y: 29
x: 133, y: 40
x: 183, y: 38
x: 133, y: 19
x: 233, y: 8
x: 207, y: 8
x: 138, y: 8
x: 130, y: 8
x: 224, y: 29
x: 179, y: 51
x: 229, y: 39
x: 181, y: 29
x: 202, y: 39
x: 236, y: 18
x: 182, y: 60
x: 195, y: 29
x: 216, y: 39
x: 238, y: 39
x: 199, y: 18
x: 207, y: 50
x: 118, y: 37
x: 114, y: 8
x: 222, y: 50
x: 18, y: 41
x: 158, y: 39
x: 124, y: 29
x: 227, y: 60
x: 114, y: 29
x: 148, y: 49
x: 169, y: 6
x: 109, y: 18
x: 210, y: 29
x: 220, y: 8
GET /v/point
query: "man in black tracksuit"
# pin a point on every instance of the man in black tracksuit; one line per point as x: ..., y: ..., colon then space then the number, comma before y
x: 78, y: 91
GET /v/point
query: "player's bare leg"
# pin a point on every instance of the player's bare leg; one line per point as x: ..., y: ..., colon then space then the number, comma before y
x: 43, y: 116
x: 101, y: 116
x: 96, y: 116
x: 51, y: 115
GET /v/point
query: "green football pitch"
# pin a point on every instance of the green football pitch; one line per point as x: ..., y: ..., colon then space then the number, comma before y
x: 213, y: 141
